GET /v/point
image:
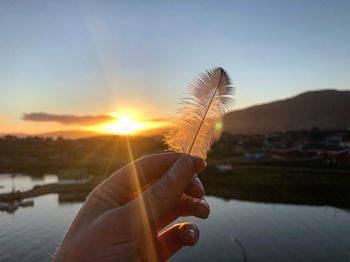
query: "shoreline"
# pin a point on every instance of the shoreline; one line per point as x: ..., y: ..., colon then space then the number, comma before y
x: 52, y: 188
x: 247, y: 183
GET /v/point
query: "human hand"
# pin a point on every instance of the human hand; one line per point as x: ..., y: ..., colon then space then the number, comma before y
x: 123, y: 216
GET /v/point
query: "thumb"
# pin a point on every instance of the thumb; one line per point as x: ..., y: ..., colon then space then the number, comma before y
x: 166, y: 192
x: 176, y: 237
x: 158, y: 199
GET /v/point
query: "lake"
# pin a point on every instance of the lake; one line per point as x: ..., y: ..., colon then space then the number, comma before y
x: 259, y: 231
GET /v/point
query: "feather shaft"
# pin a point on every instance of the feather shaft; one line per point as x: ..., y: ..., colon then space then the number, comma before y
x: 200, y: 126
x: 200, y: 120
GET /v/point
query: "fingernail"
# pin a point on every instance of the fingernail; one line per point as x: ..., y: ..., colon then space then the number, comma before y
x: 204, y: 203
x: 185, y: 162
x: 190, y: 236
x: 196, y: 182
x: 201, y: 209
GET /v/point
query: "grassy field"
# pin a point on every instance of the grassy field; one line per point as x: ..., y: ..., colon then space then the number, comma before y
x: 278, y: 186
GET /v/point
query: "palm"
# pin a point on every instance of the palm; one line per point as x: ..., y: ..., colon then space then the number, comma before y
x: 124, y: 214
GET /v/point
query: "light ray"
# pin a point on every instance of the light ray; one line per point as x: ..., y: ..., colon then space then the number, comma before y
x: 91, y: 155
x: 149, y: 243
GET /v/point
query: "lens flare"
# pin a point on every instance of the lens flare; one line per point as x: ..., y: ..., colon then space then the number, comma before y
x: 126, y: 125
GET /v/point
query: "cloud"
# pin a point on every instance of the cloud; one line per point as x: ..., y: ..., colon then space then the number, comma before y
x: 67, y: 119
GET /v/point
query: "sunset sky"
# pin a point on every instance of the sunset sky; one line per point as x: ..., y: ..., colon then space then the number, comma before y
x: 76, y: 64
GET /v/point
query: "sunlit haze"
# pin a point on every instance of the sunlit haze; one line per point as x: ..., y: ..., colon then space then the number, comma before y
x: 90, y: 58
x: 126, y: 125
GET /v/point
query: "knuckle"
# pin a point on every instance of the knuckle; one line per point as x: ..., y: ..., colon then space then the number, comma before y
x: 183, y: 163
x: 187, y: 161
x: 159, y: 196
x: 144, y: 159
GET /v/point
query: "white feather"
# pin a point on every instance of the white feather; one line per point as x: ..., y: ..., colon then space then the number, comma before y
x: 200, y: 120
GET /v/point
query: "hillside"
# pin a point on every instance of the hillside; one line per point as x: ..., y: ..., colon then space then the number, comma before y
x: 325, y: 109
x: 76, y: 134
x: 72, y: 134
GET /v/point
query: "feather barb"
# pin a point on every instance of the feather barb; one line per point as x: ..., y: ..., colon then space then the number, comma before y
x: 200, y: 118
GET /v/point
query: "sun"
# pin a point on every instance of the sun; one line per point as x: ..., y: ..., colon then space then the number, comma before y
x: 123, y: 124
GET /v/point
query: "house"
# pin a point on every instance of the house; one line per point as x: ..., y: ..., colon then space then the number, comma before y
x: 341, y: 157
x: 289, y: 153
x: 334, y: 139
x: 322, y: 150
x: 255, y: 155
x: 345, y: 141
x: 223, y: 167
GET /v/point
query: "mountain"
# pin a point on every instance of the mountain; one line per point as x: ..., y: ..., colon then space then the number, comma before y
x: 72, y: 134
x: 325, y: 109
x: 76, y: 134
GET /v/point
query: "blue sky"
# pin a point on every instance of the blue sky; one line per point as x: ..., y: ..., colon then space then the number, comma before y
x: 97, y: 57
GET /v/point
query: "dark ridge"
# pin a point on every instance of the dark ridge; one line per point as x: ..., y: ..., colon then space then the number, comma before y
x: 325, y: 109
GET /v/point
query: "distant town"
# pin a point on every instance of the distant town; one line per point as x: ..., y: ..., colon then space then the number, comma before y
x: 304, y: 167
x: 325, y: 148
x: 330, y: 146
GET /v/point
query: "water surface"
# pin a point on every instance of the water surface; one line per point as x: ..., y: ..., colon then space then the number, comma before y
x: 264, y: 232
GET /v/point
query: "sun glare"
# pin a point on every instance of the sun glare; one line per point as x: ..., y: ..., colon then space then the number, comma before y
x: 126, y: 125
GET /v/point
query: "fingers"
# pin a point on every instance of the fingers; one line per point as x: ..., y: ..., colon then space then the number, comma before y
x: 179, y: 235
x: 186, y: 206
x: 131, y: 179
x: 158, y: 164
x: 148, y: 208
x: 166, y: 192
x: 159, y: 198
x: 195, y: 188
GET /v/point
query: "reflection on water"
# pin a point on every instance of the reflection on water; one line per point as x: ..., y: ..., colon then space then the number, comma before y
x: 14, y: 182
x: 271, y: 232
x: 32, y: 234
x: 267, y: 232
